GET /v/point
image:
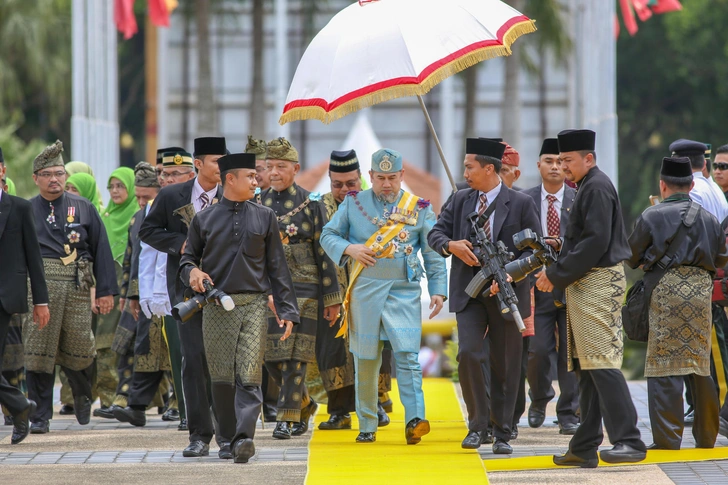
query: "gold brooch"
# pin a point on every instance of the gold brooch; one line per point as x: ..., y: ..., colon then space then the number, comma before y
x: 385, y: 165
x: 178, y: 159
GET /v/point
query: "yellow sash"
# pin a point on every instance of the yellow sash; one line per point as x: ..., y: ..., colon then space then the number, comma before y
x: 376, y: 243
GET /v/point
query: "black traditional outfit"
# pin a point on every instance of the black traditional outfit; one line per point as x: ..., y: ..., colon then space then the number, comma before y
x: 252, y: 266
x: 679, y: 340
x: 590, y: 270
x: 68, y: 227
x: 300, y: 220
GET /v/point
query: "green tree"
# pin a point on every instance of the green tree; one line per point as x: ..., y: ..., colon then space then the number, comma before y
x: 35, y: 66
x: 670, y: 85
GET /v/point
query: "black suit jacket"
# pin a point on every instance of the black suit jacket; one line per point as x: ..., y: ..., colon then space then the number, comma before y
x: 167, y: 232
x: 20, y: 255
x: 514, y: 212
x: 545, y: 300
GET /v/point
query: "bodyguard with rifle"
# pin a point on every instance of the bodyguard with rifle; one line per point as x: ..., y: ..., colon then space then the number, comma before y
x: 503, y: 213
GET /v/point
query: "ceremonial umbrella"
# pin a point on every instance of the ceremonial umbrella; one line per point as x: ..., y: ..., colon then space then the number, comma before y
x: 377, y: 50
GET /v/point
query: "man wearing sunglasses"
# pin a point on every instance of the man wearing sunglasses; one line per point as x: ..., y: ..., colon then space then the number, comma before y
x: 720, y: 169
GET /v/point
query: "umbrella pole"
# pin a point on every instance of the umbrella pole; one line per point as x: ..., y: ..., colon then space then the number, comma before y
x: 437, y: 142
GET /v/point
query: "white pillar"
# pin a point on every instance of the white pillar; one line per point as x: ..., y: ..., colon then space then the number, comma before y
x: 447, y: 135
x: 283, y: 81
x: 94, y: 121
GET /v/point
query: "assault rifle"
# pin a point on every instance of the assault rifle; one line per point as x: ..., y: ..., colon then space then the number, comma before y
x: 493, y: 258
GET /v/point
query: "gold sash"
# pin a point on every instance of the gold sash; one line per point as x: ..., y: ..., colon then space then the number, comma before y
x: 376, y: 243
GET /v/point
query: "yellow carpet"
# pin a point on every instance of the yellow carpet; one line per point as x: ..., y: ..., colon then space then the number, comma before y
x: 334, y: 457
x: 653, y: 457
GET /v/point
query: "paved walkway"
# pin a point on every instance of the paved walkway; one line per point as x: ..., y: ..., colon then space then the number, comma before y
x: 108, y: 451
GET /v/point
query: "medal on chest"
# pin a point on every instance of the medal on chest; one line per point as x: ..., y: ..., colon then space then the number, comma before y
x: 71, y: 214
x: 52, y: 216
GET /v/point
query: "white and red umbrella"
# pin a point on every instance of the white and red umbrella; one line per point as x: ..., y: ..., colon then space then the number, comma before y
x: 374, y: 51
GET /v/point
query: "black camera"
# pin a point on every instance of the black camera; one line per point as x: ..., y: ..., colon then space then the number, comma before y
x: 185, y: 310
x: 543, y: 254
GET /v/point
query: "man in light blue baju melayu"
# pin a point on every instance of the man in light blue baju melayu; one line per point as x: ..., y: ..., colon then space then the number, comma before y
x: 382, y: 230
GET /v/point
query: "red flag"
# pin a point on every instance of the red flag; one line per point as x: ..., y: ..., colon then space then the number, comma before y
x: 628, y: 16
x: 643, y: 11
x: 664, y: 6
x: 159, y: 13
x: 124, y: 18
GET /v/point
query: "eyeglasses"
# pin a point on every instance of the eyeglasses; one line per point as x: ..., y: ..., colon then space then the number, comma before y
x: 166, y: 175
x: 47, y: 175
x: 351, y: 184
x: 115, y: 187
x: 721, y: 166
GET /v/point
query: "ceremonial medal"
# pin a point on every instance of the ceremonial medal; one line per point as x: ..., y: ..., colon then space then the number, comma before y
x: 52, y: 216
x: 74, y: 237
x: 385, y: 165
x: 71, y: 214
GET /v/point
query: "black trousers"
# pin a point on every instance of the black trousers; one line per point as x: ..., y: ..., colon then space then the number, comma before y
x: 237, y: 408
x: 40, y: 389
x: 196, y: 380
x: 521, y: 398
x: 541, y: 357
x: 603, y: 394
x: 504, y: 357
x: 341, y: 401
x: 666, y: 410
x: 10, y: 396
x: 144, y: 386
x: 270, y: 392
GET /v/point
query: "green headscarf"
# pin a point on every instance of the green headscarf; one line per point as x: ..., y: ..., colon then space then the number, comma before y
x: 11, y: 186
x: 86, y: 186
x: 72, y: 168
x: 117, y: 217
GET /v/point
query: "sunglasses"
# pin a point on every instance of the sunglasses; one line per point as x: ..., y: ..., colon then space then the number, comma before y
x: 721, y: 166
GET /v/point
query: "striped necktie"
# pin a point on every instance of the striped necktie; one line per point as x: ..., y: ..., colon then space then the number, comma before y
x: 205, y: 200
x: 481, y: 211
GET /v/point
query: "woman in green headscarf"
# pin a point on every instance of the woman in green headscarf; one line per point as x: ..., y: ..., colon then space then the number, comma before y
x: 84, y: 185
x: 116, y: 217
x: 119, y: 211
x: 72, y: 168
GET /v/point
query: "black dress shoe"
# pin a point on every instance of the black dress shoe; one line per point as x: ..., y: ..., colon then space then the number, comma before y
x: 182, y: 426
x: 40, y: 427
x: 301, y: 427
x: 501, y: 447
x: 226, y: 451
x: 722, y: 426
x: 690, y: 418
x: 568, y: 429
x: 473, y: 440
x: 415, y: 430
x: 282, y: 430
x: 569, y: 459
x: 244, y: 450
x: 135, y: 417
x: 21, y: 424
x: 171, y: 414
x: 382, y: 417
x: 536, y: 416
x: 106, y: 413
x: 337, y: 421
x: 622, y: 453
x: 82, y: 408
x: 514, y: 432
x: 196, y: 449
x: 366, y: 438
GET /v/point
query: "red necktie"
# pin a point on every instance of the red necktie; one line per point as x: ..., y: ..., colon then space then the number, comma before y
x: 481, y: 211
x: 552, y: 217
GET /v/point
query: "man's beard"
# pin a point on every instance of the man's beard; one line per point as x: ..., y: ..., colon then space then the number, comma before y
x: 387, y: 199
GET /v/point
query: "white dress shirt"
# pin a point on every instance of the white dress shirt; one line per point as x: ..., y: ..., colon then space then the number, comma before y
x: 709, y: 199
x: 490, y: 197
x: 545, y: 208
x: 197, y: 192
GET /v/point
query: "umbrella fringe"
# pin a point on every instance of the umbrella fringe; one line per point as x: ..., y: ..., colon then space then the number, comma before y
x: 394, y: 92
